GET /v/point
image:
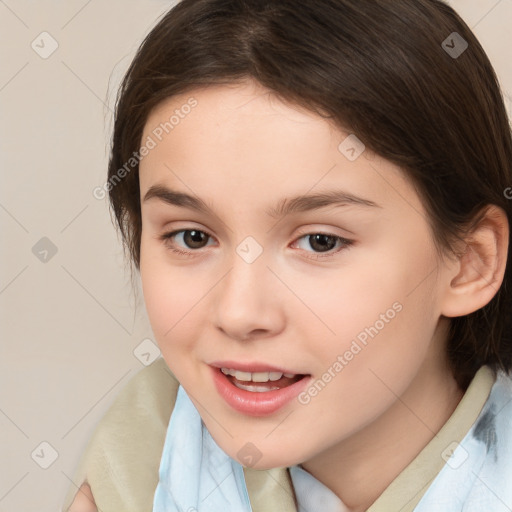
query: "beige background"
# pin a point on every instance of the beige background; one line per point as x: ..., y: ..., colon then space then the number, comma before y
x: 71, y: 336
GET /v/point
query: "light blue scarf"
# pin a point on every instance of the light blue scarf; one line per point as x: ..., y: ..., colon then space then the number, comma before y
x: 196, y: 475
x: 478, y: 476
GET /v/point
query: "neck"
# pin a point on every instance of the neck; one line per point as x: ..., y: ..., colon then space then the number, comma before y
x: 360, y: 468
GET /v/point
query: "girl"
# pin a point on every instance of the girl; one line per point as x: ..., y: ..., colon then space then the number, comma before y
x: 317, y: 197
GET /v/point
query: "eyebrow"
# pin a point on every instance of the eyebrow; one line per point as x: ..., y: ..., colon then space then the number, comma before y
x: 284, y: 207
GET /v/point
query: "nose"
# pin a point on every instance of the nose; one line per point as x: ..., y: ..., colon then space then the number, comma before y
x: 247, y: 301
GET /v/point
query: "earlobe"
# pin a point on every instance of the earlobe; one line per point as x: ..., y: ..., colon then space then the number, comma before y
x: 481, y: 266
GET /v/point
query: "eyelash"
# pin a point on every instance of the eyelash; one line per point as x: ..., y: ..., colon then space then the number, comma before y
x: 167, y: 237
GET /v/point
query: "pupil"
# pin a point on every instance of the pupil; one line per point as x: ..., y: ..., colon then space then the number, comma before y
x: 193, y: 237
x: 322, y: 242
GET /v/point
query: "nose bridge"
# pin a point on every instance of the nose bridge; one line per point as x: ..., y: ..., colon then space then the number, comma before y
x: 248, y: 276
x: 246, y: 298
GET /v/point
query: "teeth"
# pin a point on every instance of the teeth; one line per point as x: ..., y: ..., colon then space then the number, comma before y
x: 266, y: 376
x: 256, y: 376
x: 257, y: 389
x: 242, y: 375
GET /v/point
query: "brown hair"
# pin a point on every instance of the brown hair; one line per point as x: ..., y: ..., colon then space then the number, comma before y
x: 380, y: 70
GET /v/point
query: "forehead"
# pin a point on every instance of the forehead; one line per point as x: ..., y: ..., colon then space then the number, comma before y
x: 245, y: 98
x: 243, y: 136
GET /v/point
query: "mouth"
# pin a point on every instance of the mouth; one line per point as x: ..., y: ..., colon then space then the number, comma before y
x: 260, y: 382
x: 260, y: 392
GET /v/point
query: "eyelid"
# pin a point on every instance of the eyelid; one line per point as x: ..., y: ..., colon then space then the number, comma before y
x: 312, y: 230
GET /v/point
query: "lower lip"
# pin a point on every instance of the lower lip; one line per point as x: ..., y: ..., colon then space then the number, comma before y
x: 255, y: 403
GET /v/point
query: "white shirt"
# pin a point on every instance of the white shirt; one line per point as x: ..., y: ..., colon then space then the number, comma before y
x: 313, y: 495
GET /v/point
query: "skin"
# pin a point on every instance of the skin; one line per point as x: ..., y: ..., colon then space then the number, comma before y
x: 242, y: 150
x: 84, y: 500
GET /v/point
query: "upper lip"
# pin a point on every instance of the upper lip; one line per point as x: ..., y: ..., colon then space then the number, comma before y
x: 252, y: 367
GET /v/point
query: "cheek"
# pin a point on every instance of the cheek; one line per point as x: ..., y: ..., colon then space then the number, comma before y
x: 169, y: 303
x: 166, y: 294
x: 382, y: 311
x: 169, y: 306
x: 371, y: 360
x: 345, y: 303
x: 176, y: 299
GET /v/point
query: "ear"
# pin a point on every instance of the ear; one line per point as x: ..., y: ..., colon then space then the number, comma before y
x: 476, y: 275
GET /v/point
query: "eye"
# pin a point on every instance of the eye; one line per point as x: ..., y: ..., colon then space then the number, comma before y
x: 324, y: 243
x: 192, y: 238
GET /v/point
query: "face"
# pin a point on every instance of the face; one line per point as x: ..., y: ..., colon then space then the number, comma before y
x: 340, y: 292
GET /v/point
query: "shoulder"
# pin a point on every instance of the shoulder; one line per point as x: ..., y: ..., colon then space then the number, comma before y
x: 493, y: 429
x: 138, y: 418
x: 501, y: 404
x: 493, y: 433
x: 122, y: 458
x: 145, y: 403
x: 152, y: 390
